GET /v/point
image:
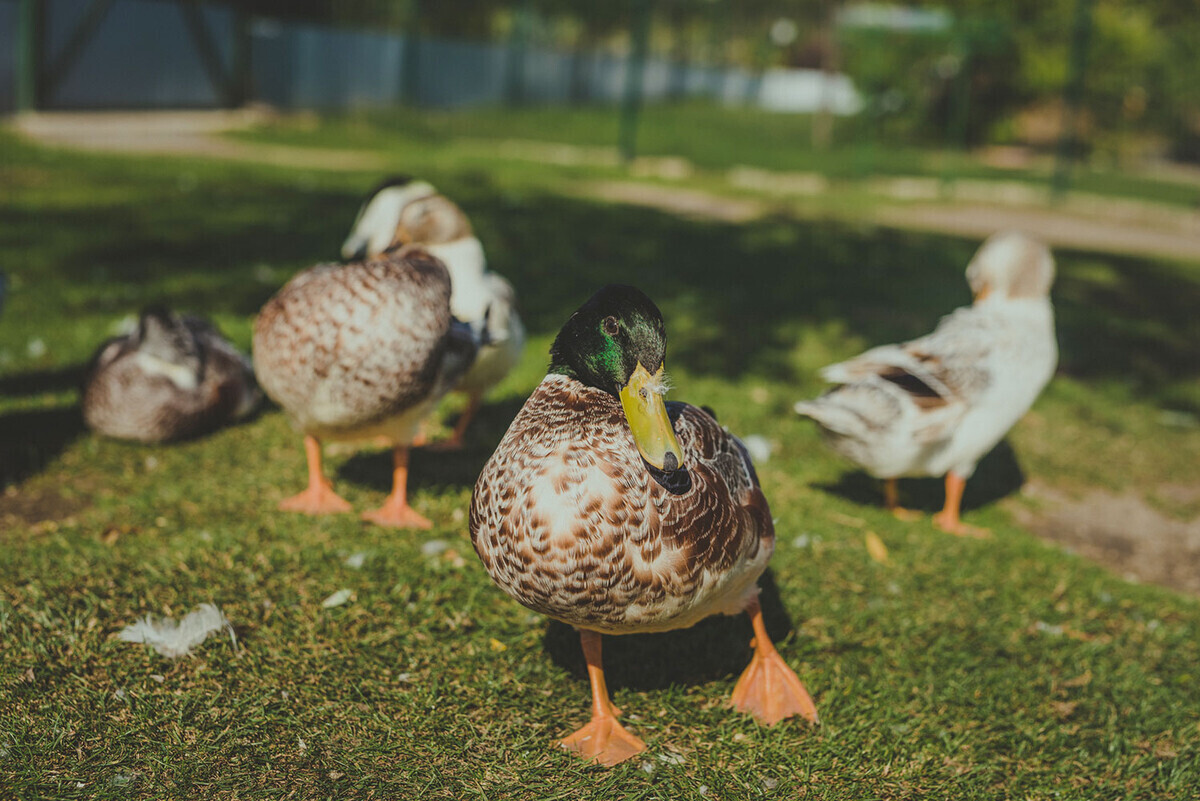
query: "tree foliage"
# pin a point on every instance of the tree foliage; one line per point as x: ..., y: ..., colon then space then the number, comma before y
x: 1140, y: 66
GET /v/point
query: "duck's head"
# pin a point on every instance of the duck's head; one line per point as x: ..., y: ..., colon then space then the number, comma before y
x: 1011, y: 265
x: 402, y: 211
x: 616, y: 342
x: 165, y: 336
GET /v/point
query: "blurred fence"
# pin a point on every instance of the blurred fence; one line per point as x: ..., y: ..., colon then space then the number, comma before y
x: 148, y: 54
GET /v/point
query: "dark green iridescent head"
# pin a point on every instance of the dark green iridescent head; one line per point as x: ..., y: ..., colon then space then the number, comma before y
x: 605, y: 339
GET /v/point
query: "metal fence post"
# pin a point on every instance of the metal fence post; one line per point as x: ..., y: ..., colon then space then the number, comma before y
x: 30, y: 29
x: 1068, y: 139
x: 960, y: 111
x: 635, y: 67
x: 241, y: 80
x: 518, y: 44
x: 411, y: 77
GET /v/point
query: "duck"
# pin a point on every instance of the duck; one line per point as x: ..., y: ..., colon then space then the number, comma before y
x: 173, y: 377
x: 936, y: 405
x: 401, y: 210
x: 611, y: 510
x: 362, y: 352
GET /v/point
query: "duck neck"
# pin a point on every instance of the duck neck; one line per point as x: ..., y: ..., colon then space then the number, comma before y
x: 466, y: 263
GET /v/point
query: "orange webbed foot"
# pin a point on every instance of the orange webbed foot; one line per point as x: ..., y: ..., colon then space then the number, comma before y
x: 318, y: 499
x: 907, y: 515
x: 605, y: 740
x: 771, y: 691
x: 951, y: 524
x: 395, y: 515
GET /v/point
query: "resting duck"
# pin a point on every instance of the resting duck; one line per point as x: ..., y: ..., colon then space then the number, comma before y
x: 402, y: 211
x: 615, y: 513
x: 361, y: 351
x: 172, y: 377
x: 934, y: 406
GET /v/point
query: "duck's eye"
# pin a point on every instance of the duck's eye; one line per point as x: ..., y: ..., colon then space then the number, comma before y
x: 611, y: 327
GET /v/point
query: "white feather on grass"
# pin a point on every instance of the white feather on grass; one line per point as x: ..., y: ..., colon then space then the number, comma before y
x: 174, y: 640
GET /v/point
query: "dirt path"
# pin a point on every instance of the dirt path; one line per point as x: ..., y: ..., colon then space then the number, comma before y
x: 184, y: 132
x: 1084, y: 222
x: 1064, y: 229
x: 1121, y: 532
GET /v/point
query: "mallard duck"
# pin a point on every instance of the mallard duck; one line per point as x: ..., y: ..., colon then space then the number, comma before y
x: 934, y: 406
x: 402, y: 211
x: 614, y: 512
x: 361, y: 351
x: 172, y: 377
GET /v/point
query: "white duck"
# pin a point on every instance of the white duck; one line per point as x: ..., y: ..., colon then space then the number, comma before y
x: 934, y: 406
x: 401, y: 211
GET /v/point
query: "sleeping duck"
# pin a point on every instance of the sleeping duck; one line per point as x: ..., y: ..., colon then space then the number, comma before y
x: 402, y: 211
x: 612, y: 511
x: 934, y: 406
x: 172, y: 377
x: 362, y: 351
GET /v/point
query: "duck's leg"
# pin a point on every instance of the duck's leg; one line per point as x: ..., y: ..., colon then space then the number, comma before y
x: 422, y: 437
x: 455, y: 441
x: 395, y: 511
x: 319, y: 498
x: 947, y: 519
x: 603, y: 739
x: 891, y: 501
x: 769, y: 689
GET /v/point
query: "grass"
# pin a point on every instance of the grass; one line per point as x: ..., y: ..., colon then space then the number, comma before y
x: 726, y: 139
x: 954, y: 668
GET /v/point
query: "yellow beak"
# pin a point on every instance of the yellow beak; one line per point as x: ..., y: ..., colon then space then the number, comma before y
x: 983, y: 293
x: 647, y: 416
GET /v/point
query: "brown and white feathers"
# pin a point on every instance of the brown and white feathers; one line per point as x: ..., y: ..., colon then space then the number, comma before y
x: 364, y: 349
x: 941, y: 402
x: 172, y: 377
x: 569, y: 520
x: 401, y: 211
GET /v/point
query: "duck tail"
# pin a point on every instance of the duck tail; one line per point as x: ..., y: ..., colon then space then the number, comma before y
x: 831, y: 416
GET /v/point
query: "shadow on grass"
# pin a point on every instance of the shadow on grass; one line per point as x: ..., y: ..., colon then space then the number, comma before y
x: 714, y: 648
x: 37, y: 382
x: 225, y: 250
x: 737, y: 298
x: 999, y: 475
x: 32, y: 439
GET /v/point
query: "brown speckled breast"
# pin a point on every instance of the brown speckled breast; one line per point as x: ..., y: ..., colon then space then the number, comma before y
x: 568, y: 519
x: 344, y: 346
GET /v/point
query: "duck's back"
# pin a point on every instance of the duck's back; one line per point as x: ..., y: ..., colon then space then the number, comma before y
x: 569, y: 520
x: 341, y: 346
x: 1016, y: 358
x: 128, y: 394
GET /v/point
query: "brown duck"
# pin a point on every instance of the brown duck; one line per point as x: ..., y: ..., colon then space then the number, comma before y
x: 362, y: 351
x: 614, y: 512
x: 172, y: 377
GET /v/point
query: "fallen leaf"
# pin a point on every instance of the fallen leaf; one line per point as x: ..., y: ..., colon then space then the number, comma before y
x: 1079, y: 681
x: 847, y: 520
x: 876, y: 548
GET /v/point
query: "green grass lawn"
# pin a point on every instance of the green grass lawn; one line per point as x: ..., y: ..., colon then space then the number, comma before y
x: 712, y: 138
x: 955, y: 668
